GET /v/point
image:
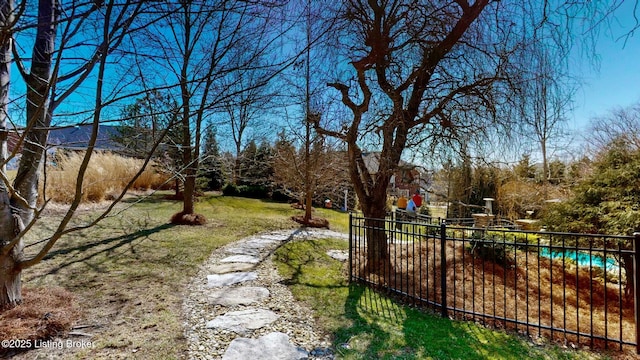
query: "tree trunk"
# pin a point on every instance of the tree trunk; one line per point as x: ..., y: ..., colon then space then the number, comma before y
x: 545, y: 169
x: 10, y: 284
x: 6, y: 9
x: 377, y: 246
x: 189, y: 193
x: 187, y: 149
x: 38, y: 111
x: 236, y: 168
x: 374, y: 210
x: 308, y: 188
x: 10, y: 290
x: 371, y: 190
x: 38, y: 122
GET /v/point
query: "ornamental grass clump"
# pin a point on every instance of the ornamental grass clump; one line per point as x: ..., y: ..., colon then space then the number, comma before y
x: 105, y: 177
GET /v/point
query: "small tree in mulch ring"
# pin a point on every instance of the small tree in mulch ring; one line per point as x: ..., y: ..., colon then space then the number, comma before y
x: 183, y: 218
x: 313, y: 222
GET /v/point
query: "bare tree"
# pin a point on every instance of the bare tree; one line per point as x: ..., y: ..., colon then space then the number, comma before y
x: 54, y: 33
x: 326, y: 167
x: 287, y: 166
x: 247, y: 103
x: 545, y: 109
x: 304, y: 81
x: 420, y: 71
x: 546, y: 90
x: 619, y: 124
x: 199, y: 53
x: 10, y: 293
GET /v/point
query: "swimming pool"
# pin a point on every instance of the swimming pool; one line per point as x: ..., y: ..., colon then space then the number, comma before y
x: 581, y: 258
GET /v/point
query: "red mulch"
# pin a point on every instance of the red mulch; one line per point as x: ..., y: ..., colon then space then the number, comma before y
x: 529, y: 288
x: 43, y: 314
x: 188, y: 219
x: 313, y: 222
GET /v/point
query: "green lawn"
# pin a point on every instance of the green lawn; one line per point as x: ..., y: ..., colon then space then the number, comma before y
x: 129, y: 272
x: 128, y: 275
x: 367, y: 325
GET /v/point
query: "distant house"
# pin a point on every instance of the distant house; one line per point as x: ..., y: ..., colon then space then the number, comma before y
x: 77, y: 138
x: 405, y: 180
x: 74, y: 138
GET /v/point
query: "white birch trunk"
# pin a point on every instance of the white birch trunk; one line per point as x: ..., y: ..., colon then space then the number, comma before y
x: 15, y: 213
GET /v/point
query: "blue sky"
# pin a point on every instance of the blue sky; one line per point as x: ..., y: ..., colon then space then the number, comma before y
x: 616, y: 82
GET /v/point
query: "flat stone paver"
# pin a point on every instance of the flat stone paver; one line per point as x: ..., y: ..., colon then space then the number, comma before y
x: 243, y: 295
x: 243, y: 320
x: 244, y: 251
x: 241, y: 259
x: 235, y: 313
x: 219, y: 280
x: 258, y: 243
x: 231, y: 267
x: 275, y: 237
x: 273, y: 346
x: 339, y: 255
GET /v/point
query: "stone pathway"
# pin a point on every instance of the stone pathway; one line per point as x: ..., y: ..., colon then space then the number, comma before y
x: 238, y: 308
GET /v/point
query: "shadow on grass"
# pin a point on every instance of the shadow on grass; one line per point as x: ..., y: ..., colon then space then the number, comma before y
x: 379, y: 328
x: 298, y: 264
x: 160, y: 197
x: 367, y: 324
x: 113, y: 242
x: 360, y: 340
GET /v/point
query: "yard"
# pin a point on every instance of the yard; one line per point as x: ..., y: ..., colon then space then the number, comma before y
x: 126, y: 277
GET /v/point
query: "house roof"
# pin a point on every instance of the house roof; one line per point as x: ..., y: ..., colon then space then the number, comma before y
x: 77, y: 137
x: 73, y: 137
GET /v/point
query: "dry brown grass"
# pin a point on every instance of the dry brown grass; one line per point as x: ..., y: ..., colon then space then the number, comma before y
x: 130, y: 272
x: 44, y: 314
x: 105, y: 177
x: 528, y: 289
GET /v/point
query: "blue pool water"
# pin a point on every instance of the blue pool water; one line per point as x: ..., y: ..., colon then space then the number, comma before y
x: 582, y: 258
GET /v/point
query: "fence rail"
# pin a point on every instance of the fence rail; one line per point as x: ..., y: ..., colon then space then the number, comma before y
x: 575, y: 288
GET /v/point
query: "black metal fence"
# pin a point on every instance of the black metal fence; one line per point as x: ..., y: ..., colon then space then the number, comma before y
x: 580, y: 289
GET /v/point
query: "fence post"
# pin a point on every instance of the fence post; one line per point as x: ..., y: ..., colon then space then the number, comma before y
x: 443, y: 267
x: 636, y: 286
x: 350, y: 247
